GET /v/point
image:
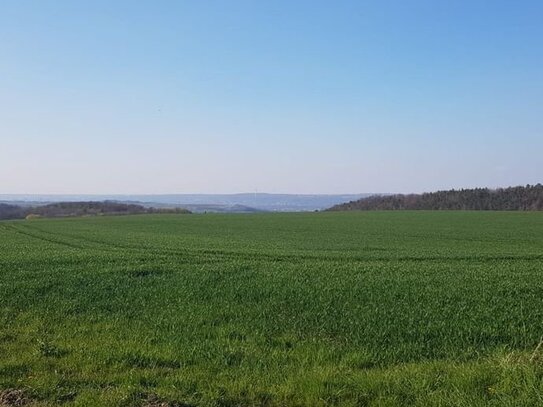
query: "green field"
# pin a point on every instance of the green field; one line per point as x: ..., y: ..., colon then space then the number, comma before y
x: 317, y: 309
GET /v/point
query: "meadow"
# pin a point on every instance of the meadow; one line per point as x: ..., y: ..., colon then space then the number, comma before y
x: 303, y: 309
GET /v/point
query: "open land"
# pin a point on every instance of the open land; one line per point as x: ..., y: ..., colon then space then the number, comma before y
x: 303, y: 309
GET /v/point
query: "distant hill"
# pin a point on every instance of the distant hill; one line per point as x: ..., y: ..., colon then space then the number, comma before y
x: 251, y: 202
x: 90, y: 208
x: 528, y: 198
x: 217, y: 208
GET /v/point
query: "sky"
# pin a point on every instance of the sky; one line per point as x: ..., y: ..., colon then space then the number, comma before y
x: 148, y: 97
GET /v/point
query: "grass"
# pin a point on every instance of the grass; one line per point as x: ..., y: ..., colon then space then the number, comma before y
x: 354, y: 309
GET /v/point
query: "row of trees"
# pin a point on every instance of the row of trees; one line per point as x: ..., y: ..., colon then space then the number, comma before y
x: 92, y: 208
x: 8, y: 211
x: 527, y: 198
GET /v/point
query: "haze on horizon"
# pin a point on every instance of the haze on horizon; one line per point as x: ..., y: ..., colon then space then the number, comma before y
x: 281, y: 97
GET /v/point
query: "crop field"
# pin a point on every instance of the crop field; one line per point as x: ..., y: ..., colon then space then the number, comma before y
x: 308, y: 309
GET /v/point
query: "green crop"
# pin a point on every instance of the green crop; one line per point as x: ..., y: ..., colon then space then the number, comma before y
x: 317, y: 309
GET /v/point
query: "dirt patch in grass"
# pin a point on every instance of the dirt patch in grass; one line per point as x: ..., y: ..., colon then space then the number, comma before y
x: 13, y: 398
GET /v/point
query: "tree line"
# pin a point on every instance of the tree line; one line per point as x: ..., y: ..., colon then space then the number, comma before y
x: 92, y: 208
x: 520, y: 198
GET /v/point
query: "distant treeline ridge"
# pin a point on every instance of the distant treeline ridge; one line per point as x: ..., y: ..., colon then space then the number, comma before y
x: 521, y: 198
x: 63, y: 209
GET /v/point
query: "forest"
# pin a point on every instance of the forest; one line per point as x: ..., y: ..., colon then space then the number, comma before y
x: 520, y: 198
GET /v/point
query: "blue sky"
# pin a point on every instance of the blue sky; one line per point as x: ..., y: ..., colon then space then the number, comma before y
x: 282, y: 96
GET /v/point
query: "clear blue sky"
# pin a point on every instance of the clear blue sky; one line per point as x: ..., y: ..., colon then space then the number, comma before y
x: 276, y: 96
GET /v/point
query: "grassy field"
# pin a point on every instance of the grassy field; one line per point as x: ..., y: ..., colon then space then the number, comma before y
x: 319, y: 309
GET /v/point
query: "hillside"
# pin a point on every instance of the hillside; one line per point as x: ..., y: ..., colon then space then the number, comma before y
x: 528, y: 198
